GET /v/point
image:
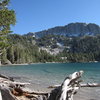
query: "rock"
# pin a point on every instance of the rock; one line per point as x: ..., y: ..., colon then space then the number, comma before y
x: 72, y: 29
x: 8, y: 62
x: 6, y: 94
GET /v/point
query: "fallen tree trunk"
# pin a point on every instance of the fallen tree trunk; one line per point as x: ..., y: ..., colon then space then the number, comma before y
x: 5, y: 77
x: 90, y: 85
x: 82, y: 85
x: 63, y: 92
x: 68, y: 88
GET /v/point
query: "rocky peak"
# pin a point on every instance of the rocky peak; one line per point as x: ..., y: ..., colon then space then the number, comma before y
x: 72, y: 30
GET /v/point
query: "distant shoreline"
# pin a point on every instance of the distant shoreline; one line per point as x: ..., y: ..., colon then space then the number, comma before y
x: 29, y: 63
x: 46, y: 63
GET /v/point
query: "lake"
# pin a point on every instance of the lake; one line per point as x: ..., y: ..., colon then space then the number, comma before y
x: 51, y: 73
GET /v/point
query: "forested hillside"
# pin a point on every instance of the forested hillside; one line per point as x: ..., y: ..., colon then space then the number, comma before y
x: 22, y: 49
x: 27, y: 49
x: 84, y: 49
x: 51, y: 48
x: 75, y: 49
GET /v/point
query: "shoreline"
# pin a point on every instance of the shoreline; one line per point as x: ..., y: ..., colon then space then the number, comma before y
x: 31, y: 63
x: 84, y: 93
x: 46, y: 63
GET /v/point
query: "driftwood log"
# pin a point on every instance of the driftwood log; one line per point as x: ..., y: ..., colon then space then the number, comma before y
x: 68, y: 88
x: 82, y: 85
x: 65, y: 91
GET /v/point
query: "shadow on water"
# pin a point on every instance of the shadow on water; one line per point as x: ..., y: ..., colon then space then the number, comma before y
x: 46, y: 71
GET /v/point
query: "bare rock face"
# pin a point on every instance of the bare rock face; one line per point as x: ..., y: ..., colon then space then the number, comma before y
x: 7, y: 62
x: 72, y: 29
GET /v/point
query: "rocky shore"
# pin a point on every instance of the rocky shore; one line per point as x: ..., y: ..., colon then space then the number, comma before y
x: 11, y: 90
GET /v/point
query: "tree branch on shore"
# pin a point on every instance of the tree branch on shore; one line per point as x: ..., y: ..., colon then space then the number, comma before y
x: 65, y: 91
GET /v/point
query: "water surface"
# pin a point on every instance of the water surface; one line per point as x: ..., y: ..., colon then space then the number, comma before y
x: 51, y: 73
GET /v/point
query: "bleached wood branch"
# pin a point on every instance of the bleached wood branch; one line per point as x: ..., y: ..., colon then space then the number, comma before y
x: 0, y: 95
x: 82, y: 85
x: 91, y: 85
x: 69, y: 84
x: 63, y: 92
x: 68, y: 88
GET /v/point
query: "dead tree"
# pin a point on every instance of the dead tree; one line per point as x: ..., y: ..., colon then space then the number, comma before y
x: 68, y: 88
x: 64, y: 92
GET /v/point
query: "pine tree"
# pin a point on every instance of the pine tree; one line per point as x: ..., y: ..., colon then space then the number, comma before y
x: 7, y: 18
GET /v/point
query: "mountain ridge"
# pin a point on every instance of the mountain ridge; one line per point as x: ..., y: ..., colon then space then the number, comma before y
x: 71, y: 29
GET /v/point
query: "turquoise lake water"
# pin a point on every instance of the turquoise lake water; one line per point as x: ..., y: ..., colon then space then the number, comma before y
x: 52, y: 73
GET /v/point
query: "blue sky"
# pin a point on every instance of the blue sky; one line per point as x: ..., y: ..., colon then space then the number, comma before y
x: 37, y: 15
